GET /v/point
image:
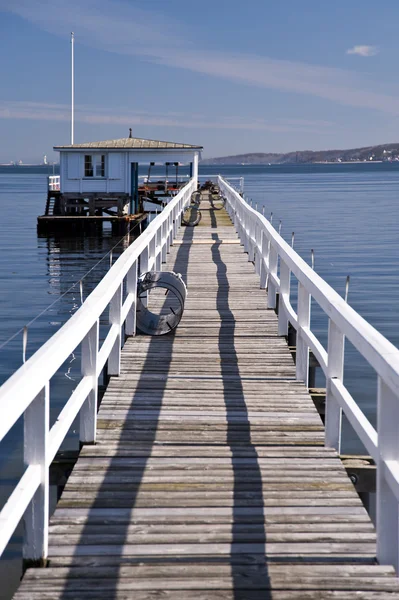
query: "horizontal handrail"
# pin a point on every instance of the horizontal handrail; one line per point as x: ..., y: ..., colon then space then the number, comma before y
x: 26, y: 392
x: 275, y: 260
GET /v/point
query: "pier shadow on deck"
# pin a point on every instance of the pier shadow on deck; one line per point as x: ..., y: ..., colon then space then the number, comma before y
x: 244, y: 487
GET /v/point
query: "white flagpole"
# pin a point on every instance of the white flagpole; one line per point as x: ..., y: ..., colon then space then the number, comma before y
x: 72, y: 86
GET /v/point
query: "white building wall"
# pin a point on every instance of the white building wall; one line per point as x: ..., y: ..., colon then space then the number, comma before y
x: 72, y: 173
x: 116, y: 182
x: 118, y: 168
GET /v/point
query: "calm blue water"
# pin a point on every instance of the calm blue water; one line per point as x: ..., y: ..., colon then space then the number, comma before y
x: 348, y: 214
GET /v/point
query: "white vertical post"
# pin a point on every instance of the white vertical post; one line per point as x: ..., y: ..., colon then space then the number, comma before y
x: 36, y: 433
x: 164, y: 244
x: 131, y: 288
x: 239, y: 225
x: 302, y: 349
x: 264, y: 265
x: 88, y: 412
x: 245, y: 230
x: 388, y: 449
x: 152, y: 249
x: 169, y: 234
x: 180, y: 211
x: 285, y: 275
x: 175, y: 224
x: 251, y: 238
x: 258, y: 238
x: 158, y: 250
x: 144, y: 266
x: 335, y: 370
x: 271, y: 288
x: 72, y: 86
x: 195, y: 169
x: 115, y: 318
x: 236, y: 218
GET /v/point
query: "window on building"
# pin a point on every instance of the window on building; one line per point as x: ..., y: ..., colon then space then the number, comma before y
x: 94, y: 165
x: 88, y: 166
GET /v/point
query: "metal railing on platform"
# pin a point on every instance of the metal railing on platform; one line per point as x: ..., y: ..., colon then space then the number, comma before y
x: 27, y: 392
x: 275, y: 260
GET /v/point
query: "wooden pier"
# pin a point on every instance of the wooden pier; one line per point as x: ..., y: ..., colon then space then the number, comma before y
x: 209, y: 479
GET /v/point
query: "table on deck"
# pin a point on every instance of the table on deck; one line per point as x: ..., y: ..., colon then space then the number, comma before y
x: 209, y: 479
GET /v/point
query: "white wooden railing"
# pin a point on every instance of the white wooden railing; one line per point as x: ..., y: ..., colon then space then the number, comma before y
x: 274, y: 261
x: 27, y: 392
x: 54, y: 183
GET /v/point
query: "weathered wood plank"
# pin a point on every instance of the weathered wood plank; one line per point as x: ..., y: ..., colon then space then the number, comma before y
x: 209, y: 569
x: 182, y: 594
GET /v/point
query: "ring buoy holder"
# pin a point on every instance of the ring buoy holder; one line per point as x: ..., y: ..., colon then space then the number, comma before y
x: 149, y: 323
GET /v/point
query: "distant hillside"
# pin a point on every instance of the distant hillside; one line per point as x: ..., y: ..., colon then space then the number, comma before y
x: 386, y: 152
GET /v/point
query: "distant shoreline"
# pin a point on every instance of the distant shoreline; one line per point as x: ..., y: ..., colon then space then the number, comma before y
x: 372, y: 154
x: 349, y: 162
x: 298, y: 164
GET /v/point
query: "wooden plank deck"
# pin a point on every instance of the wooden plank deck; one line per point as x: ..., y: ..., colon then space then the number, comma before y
x: 209, y: 479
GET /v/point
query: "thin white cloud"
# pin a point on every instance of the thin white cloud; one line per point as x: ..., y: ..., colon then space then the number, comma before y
x: 118, y: 26
x: 121, y: 116
x: 363, y: 50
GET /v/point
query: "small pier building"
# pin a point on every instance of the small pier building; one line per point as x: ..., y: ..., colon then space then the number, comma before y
x: 100, y: 180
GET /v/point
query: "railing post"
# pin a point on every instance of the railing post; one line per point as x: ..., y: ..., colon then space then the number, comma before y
x: 239, y: 225
x: 271, y: 288
x: 251, y: 238
x: 88, y: 412
x: 264, y: 262
x: 285, y: 275
x: 257, y: 250
x: 241, y: 231
x: 175, y: 223
x: 36, y: 518
x: 244, y: 231
x: 234, y: 217
x: 144, y: 266
x: 131, y: 288
x: 115, y: 318
x: 388, y: 449
x: 302, y: 349
x: 152, y: 250
x: 335, y: 370
x: 169, y: 233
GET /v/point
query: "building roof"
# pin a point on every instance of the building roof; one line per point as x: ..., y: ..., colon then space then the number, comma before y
x: 129, y: 143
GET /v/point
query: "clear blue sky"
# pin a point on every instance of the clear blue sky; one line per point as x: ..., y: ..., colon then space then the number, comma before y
x: 253, y: 76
